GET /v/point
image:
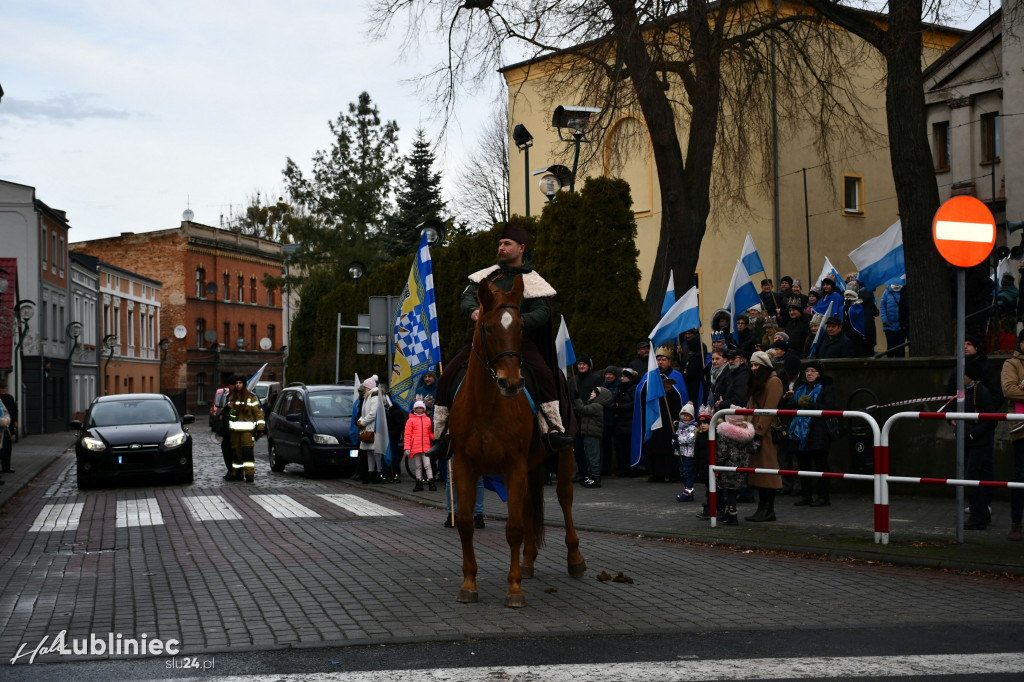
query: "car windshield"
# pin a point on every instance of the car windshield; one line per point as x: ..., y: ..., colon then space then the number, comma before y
x: 126, y: 412
x: 332, y: 404
x: 261, y: 392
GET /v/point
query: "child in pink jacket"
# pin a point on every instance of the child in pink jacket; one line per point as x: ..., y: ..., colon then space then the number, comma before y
x: 418, y: 432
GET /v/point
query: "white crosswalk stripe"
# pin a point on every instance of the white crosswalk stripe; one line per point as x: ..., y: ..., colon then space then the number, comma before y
x: 876, y: 667
x: 283, y: 507
x: 144, y: 512
x: 58, y: 517
x: 210, y: 508
x: 359, y: 506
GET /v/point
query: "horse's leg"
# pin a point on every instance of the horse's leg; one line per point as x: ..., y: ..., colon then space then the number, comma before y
x: 515, y: 482
x: 577, y: 564
x: 465, y: 496
x: 531, y: 532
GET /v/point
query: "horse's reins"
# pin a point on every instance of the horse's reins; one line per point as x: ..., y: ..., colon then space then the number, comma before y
x: 487, y: 361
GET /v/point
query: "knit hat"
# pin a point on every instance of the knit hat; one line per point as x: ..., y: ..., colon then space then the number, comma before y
x: 815, y: 293
x: 370, y: 383
x: 630, y: 373
x: 761, y: 358
x: 419, y: 403
x: 786, y: 278
x: 585, y: 358
x: 766, y: 280
x: 781, y: 345
x: 816, y: 365
x: 611, y: 369
x: 829, y: 281
x: 782, y: 335
x: 235, y: 378
x: 687, y: 409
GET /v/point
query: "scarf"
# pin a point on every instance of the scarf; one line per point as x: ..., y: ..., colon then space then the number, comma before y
x: 800, y: 427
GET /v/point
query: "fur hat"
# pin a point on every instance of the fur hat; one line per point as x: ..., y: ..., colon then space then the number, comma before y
x: 631, y: 373
x: 829, y: 281
x: 664, y: 351
x: 515, y: 233
x: 739, y: 430
x: 815, y: 364
x: 761, y: 358
x: 850, y: 294
x: 235, y: 378
x: 687, y: 409
x: 419, y: 403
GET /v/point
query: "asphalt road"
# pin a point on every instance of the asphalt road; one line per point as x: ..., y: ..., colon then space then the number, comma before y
x: 290, y: 575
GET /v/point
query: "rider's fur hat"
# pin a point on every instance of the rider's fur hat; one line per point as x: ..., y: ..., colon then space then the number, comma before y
x: 516, y: 233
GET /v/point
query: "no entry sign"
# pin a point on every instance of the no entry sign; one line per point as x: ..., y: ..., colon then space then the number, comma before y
x: 964, y: 231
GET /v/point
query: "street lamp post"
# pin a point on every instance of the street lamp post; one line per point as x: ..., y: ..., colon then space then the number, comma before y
x: 524, y: 140
x: 164, y: 345
x: 23, y: 311
x: 72, y: 331
x: 109, y: 342
x: 576, y: 120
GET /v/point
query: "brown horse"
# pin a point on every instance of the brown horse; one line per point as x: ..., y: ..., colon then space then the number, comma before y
x: 492, y: 432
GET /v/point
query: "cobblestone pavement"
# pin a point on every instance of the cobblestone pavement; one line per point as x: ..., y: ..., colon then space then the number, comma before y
x: 288, y: 562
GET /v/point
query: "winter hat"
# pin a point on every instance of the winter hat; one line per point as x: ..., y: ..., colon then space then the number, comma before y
x: 611, y: 369
x: 792, y: 364
x: 370, y: 383
x: 687, y: 409
x: 896, y: 287
x: 766, y: 280
x: 419, y: 403
x: 585, y: 358
x: 761, y: 358
x: 631, y: 373
x: 431, y: 373
x: 834, y: 320
x: 786, y: 278
x: 781, y: 345
x: 516, y: 233
x: 782, y: 335
x: 850, y: 294
x: 829, y: 281
x: 646, y: 343
x: 815, y: 364
x: 815, y: 293
x: 973, y: 369
x: 974, y: 341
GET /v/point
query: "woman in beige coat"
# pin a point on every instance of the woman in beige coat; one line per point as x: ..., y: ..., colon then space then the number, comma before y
x: 764, y: 391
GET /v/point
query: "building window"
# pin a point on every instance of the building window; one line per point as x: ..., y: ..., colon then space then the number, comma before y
x: 940, y: 135
x: 252, y: 289
x: 201, y: 387
x: 241, y: 289
x: 270, y: 297
x: 990, y: 138
x: 42, y: 246
x: 270, y: 334
x: 227, y: 287
x: 200, y: 282
x: 53, y: 251
x: 200, y: 332
x: 853, y: 195
x: 227, y: 333
x: 252, y: 337
x: 241, y: 335
x: 60, y: 261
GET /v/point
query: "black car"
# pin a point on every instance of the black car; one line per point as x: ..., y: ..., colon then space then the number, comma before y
x: 130, y: 435
x: 309, y: 425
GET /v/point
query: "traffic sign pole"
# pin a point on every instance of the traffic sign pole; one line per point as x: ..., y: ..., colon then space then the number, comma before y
x: 964, y: 232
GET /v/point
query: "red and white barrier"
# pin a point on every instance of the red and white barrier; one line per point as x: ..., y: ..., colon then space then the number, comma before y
x: 842, y: 414
x: 882, y: 502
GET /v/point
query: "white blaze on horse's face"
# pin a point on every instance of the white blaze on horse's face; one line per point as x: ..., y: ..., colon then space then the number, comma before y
x: 506, y: 320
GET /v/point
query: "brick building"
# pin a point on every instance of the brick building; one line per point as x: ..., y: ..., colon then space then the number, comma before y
x: 216, y: 312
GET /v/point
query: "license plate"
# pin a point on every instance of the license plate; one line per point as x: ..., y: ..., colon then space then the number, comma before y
x: 353, y: 453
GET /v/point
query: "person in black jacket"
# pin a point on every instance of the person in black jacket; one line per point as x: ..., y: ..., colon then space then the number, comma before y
x: 978, y: 441
x: 739, y: 373
x: 834, y: 344
x: 581, y: 386
x: 622, y: 408
x: 808, y: 436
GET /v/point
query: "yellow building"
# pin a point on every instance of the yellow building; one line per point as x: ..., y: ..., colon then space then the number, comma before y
x: 849, y: 196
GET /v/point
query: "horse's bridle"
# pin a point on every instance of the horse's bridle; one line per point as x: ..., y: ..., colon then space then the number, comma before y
x: 487, y: 361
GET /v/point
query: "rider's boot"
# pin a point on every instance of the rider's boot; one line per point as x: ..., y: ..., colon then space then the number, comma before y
x: 440, y: 449
x: 549, y: 420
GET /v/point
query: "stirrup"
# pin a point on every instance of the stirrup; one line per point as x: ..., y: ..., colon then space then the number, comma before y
x: 441, y: 448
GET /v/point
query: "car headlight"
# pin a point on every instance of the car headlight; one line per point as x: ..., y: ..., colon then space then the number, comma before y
x: 324, y: 439
x: 93, y: 444
x: 175, y: 440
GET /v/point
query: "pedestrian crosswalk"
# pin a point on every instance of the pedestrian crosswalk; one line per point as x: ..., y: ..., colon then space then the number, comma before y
x: 147, y: 511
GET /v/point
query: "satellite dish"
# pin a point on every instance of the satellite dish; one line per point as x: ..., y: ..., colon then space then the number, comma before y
x: 211, y: 290
x: 188, y: 215
x: 180, y: 332
x: 240, y: 342
x: 210, y: 336
x: 266, y: 343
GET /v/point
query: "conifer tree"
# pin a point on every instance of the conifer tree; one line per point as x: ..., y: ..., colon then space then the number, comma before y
x: 419, y: 199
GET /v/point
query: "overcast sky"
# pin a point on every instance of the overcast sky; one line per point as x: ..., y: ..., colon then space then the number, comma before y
x: 125, y: 113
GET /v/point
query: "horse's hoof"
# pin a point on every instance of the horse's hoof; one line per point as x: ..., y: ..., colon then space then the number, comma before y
x: 577, y: 570
x: 468, y: 597
x: 515, y: 601
x: 527, y: 571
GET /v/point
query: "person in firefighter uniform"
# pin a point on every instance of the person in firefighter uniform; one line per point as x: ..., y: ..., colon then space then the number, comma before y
x: 244, y: 418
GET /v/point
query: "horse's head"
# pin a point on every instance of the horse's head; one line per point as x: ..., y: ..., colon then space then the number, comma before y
x: 499, y: 335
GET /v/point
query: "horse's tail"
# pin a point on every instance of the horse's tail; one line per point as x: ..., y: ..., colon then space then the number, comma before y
x: 535, y: 483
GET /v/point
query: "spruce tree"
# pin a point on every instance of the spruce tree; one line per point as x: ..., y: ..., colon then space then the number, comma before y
x: 419, y: 199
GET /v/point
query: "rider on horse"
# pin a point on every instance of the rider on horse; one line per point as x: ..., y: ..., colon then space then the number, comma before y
x: 535, y: 311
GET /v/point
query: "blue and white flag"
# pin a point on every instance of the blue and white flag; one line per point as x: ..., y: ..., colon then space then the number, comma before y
x: 741, y: 295
x: 829, y: 270
x: 750, y: 258
x: 670, y: 295
x: 563, y: 348
x: 683, y: 315
x: 879, y: 261
x: 417, y: 344
x: 821, y: 329
x: 255, y: 378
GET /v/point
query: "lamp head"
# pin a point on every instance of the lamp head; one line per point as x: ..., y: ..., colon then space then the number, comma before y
x: 573, y: 118
x: 434, y: 229
x: 522, y: 137
x: 356, y: 270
